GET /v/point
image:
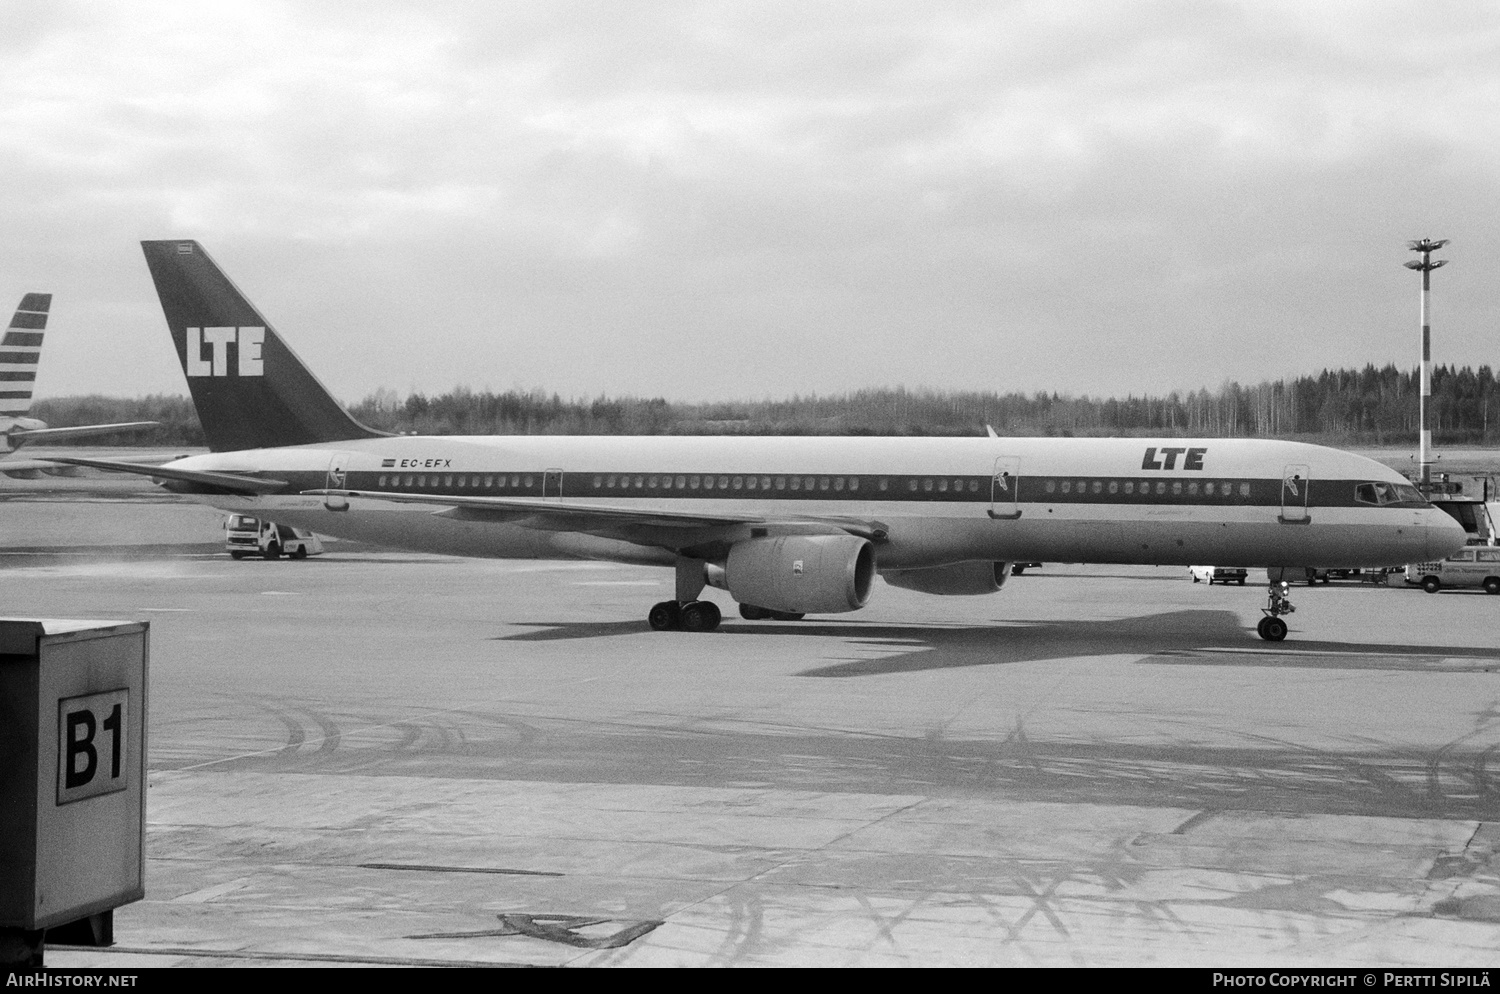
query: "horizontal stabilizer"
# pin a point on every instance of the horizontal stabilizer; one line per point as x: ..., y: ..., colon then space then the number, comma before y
x: 227, y: 481
x: 20, y: 435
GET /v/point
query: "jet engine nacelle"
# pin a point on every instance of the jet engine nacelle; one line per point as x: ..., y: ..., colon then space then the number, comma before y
x: 802, y: 574
x: 960, y: 579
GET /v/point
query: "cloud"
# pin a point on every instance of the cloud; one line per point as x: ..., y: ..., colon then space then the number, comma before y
x: 727, y: 199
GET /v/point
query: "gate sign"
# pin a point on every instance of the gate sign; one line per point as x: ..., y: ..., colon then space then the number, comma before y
x: 91, y: 745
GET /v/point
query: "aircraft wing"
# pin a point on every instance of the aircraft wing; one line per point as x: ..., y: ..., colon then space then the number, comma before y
x: 228, y: 481
x: 606, y: 519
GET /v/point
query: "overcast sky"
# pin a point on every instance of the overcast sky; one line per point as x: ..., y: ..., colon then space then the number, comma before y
x: 754, y: 199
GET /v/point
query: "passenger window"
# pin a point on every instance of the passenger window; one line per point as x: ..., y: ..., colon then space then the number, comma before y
x: 1161, y: 486
x: 1208, y: 489
x: 973, y: 487
x: 796, y: 483
x: 884, y: 483
x: 1098, y: 487
x: 515, y: 480
x: 1114, y: 486
x: 853, y: 483
x: 807, y: 483
x: 765, y: 483
x: 1176, y: 488
x: 708, y: 483
x: 942, y: 486
x: 1130, y: 486
x: 681, y: 482
x: 749, y: 483
x: 447, y: 481
x: 838, y: 483
x: 655, y: 482
x: 1244, y: 490
x: 382, y: 481
x: 1067, y: 486
x: 912, y: 484
x: 463, y: 481
x: 781, y: 483
x: 823, y: 483
x: 640, y: 481
x: 738, y: 482
x: 693, y: 482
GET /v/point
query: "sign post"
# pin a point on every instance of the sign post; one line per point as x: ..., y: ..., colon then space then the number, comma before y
x: 72, y: 780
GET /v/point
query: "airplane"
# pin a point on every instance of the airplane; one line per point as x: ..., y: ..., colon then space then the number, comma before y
x: 20, y: 350
x: 788, y: 526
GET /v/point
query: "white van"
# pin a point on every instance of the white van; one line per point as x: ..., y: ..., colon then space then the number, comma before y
x: 1475, y: 566
x: 247, y: 536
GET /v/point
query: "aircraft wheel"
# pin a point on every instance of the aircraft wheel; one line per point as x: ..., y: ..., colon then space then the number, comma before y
x: 701, y: 616
x: 1271, y: 629
x: 788, y: 615
x: 1242, y: 581
x: 1492, y: 585
x: 273, y: 551
x: 752, y: 613
x: 1017, y: 570
x: 1431, y: 584
x: 664, y: 616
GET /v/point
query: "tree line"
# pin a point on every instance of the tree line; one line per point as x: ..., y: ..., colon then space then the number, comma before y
x: 1360, y: 407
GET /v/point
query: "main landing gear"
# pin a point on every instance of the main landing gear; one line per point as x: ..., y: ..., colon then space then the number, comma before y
x: 694, y: 616
x: 1278, y: 602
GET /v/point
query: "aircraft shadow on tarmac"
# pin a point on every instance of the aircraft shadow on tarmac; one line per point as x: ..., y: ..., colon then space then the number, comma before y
x: 1195, y: 638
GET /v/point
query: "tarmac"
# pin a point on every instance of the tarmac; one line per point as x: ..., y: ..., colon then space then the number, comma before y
x: 375, y: 757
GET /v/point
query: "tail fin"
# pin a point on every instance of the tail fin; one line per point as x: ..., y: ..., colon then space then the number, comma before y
x: 251, y: 391
x: 19, y: 351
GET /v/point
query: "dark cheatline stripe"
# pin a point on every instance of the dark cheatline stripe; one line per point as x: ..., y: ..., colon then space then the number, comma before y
x: 30, y: 339
x: 19, y: 357
x: 15, y: 394
x: 1263, y: 493
x: 24, y: 320
x: 36, y: 302
x: 11, y: 376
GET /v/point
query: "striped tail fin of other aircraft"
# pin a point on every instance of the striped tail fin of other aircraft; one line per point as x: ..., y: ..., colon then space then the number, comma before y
x: 20, y: 349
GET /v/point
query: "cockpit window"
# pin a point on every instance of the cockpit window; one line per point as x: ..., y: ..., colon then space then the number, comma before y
x: 1387, y: 493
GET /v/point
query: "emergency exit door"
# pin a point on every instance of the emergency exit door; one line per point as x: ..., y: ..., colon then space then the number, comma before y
x: 1296, y: 486
x: 1005, y: 488
x: 337, y: 479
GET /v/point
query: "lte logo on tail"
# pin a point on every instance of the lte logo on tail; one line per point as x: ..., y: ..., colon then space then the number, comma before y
x: 216, y: 362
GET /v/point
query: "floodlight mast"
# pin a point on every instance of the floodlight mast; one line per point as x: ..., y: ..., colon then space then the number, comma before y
x: 1426, y: 246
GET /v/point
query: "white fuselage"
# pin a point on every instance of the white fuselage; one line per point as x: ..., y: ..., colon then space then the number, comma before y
x: 1230, y: 502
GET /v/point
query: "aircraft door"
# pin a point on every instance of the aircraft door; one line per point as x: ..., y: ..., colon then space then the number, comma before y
x: 552, y: 484
x: 338, y: 479
x: 1296, y: 483
x: 1005, y: 488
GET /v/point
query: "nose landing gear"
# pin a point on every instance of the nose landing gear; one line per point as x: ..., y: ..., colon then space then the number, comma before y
x: 1278, y: 602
